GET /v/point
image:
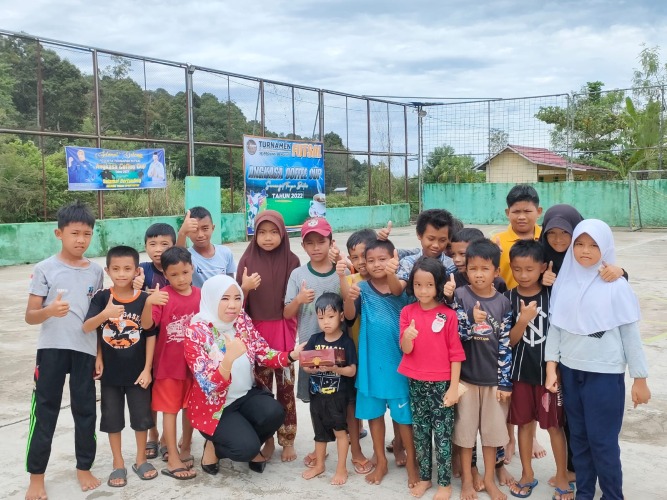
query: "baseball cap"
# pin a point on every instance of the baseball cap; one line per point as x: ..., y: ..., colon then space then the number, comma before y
x: 317, y: 225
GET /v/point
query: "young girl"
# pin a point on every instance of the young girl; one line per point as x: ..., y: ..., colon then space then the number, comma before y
x: 264, y: 270
x: 593, y: 335
x: 432, y: 356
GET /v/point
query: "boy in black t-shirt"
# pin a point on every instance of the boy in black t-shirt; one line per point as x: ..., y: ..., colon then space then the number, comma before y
x: 530, y: 400
x: 331, y: 387
x: 124, y: 361
x: 158, y: 238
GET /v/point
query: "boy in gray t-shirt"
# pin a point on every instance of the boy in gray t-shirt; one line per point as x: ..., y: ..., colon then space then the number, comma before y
x: 60, y: 293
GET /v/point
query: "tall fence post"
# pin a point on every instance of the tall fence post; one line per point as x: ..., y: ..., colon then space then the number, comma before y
x: 98, y: 124
x: 370, y: 169
x: 189, y: 71
x: 420, y: 151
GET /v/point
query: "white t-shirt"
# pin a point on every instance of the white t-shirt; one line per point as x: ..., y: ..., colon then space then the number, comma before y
x: 222, y: 262
x: 242, y: 379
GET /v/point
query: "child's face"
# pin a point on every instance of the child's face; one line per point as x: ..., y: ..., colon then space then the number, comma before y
x: 202, y: 237
x: 586, y: 251
x: 155, y: 246
x: 434, y: 241
x: 527, y: 271
x: 358, y: 259
x: 317, y: 247
x: 424, y: 287
x: 75, y: 238
x: 122, y: 271
x: 329, y: 320
x: 179, y: 276
x: 267, y: 236
x: 558, y: 239
x: 523, y: 216
x: 230, y: 304
x: 376, y: 261
x: 481, y: 273
x: 459, y: 255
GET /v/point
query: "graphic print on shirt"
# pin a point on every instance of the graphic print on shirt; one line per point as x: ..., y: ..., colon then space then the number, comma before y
x: 535, y: 333
x: 177, y: 327
x: 121, y: 333
x: 326, y: 382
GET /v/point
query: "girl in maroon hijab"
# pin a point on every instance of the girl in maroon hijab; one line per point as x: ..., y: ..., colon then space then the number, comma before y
x: 264, y: 270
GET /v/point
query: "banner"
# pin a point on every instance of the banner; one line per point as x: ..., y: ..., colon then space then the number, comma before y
x: 90, y: 169
x: 283, y: 175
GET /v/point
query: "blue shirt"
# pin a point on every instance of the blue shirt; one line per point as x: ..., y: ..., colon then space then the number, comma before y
x: 222, y: 262
x: 408, y: 262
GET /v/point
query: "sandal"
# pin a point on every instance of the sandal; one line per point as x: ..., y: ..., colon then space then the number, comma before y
x: 164, y: 453
x: 363, y: 467
x: 151, y: 449
x: 558, y: 493
x: 309, y: 460
x: 118, y: 474
x: 529, y: 486
x: 173, y: 473
x: 143, y: 469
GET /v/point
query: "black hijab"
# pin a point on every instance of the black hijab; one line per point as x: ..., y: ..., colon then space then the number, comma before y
x: 564, y: 217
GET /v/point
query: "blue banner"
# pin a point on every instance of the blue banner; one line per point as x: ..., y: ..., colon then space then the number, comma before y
x: 283, y: 175
x: 91, y: 169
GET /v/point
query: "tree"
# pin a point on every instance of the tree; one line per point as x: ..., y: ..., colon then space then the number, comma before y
x: 444, y: 165
x: 498, y: 140
x: 648, y: 80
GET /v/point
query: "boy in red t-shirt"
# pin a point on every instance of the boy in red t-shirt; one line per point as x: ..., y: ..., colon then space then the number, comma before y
x: 171, y: 310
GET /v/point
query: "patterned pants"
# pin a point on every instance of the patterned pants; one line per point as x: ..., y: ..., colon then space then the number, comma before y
x: 431, y: 419
x: 285, y: 396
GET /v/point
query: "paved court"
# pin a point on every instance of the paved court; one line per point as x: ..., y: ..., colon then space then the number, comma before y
x: 643, y: 440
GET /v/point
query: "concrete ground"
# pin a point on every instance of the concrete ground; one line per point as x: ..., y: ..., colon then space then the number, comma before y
x: 643, y: 439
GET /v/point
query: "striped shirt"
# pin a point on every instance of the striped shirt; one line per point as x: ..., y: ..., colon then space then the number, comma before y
x: 408, y: 262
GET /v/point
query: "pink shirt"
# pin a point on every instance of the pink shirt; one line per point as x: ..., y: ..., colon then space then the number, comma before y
x: 437, y: 345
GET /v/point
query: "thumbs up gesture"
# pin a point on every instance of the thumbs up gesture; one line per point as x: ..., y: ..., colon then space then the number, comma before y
x: 478, y: 315
x: 234, y: 347
x: 113, y: 311
x: 250, y: 282
x: 383, y: 234
x: 334, y: 253
x: 449, y: 287
x: 610, y: 272
x: 139, y: 279
x: 549, y: 277
x: 528, y: 312
x: 59, y: 307
x: 158, y: 298
x: 410, y: 333
x: 496, y: 240
x: 306, y: 295
x: 392, y: 264
x: 190, y: 225
x: 353, y: 293
x: 341, y: 266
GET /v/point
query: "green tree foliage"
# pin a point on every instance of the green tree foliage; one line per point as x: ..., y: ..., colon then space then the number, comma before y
x: 443, y: 165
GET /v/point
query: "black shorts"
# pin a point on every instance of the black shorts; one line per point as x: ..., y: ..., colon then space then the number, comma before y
x: 113, y: 408
x: 329, y: 414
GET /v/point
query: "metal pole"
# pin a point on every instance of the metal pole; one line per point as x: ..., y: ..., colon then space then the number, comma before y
x: 570, y: 129
x: 98, y: 126
x: 389, y: 150
x: 261, y: 108
x: 405, y: 128
x: 368, y: 130
x: 320, y: 102
x: 231, y: 160
x: 231, y: 180
x: 347, y: 156
x: 420, y: 138
x: 488, y: 129
x: 190, y: 117
x: 662, y: 122
x: 293, y: 117
x: 40, y: 122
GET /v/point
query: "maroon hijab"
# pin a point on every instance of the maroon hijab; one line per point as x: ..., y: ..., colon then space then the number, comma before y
x: 268, y: 301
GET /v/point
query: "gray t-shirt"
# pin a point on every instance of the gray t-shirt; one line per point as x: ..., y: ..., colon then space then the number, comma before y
x: 77, y: 285
x: 222, y: 262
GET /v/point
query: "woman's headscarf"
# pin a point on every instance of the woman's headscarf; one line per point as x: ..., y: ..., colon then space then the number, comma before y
x: 267, y: 302
x: 211, y: 294
x: 564, y: 217
x: 581, y: 301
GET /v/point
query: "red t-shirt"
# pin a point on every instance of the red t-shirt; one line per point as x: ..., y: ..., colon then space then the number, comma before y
x: 173, y: 319
x: 437, y: 345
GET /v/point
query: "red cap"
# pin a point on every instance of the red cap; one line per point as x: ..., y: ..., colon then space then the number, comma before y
x: 317, y: 225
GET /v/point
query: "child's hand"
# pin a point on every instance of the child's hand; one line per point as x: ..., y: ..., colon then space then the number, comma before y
x: 551, y: 382
x: 449, y: 287
x: 410, y: 333
x: 383, y: 234
x: 640, y: 392
x: 392, y: 264
x: 496, y: 240
x: 549, y: 277
x: 234, y: 347
x: 113, y: 310
x: 528, y: 312
x: 306, y: 295
x: 158, y: 298
x: 451, y: 396
x: 251, y: 282
x: 144, y: 379
x: 341, y: 267
x: 503, y: 396
x: 59, y: 307
x: 478, y: 315
x: 139, y: 279
x: 99, y: 368
x: 310, y: 370
x: 353, y: 293
x: 190, y: 225
x: 334, y: 253
x: 610, y: 273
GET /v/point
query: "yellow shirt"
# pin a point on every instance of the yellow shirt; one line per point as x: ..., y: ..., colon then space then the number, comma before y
x: 354, y: 329
x: 507, y: 239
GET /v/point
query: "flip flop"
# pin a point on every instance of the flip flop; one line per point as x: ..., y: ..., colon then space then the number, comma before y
x: 363, y: 467
x: 164, y: 453
x: 560, y: 492
x: 390, y: 447
x: 531, y: 486
x: 189, y: 458
x: 173, y: 472
x: 363, y: 434
x: 143, y: 469
x: 309, y: 460
x: 118, y: 474
x: 151, y: 449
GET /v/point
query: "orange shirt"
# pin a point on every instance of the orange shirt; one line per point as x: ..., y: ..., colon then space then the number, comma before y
x: 507, y: 239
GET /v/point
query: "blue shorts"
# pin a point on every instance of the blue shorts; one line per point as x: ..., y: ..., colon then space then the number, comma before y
x: 369, y: 408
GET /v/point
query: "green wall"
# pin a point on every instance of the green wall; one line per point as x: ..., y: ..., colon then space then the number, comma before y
x: 484, y: 203
x: 27, y: 243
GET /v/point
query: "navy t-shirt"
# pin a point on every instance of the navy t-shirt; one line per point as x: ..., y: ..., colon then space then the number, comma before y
x: 329, y: 382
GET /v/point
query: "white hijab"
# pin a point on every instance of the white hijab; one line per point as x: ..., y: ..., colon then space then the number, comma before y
x: 581, y: 301
x: 211, y: 294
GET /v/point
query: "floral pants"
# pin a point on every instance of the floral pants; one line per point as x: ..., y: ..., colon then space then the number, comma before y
x: 284, y: 392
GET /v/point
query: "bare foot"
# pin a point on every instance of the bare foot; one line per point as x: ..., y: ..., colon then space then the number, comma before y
x: 312, y: 472
x: 493, y: 491
x: 401, y: 457
x: 538, y: 449
x: 413, y: 475
x: 288, y: 454
x: 87, y: 480
x: 509, y: 452
x: 340, y: 477
x: 36, y: 490
x: 376, y: 476
x: 477, y: 480
x: 571, y: 477
x: 467, y: 491
x: 443, y: 493
x: 268, y: 448
x: 420, y: 488
x: 504, y: 477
